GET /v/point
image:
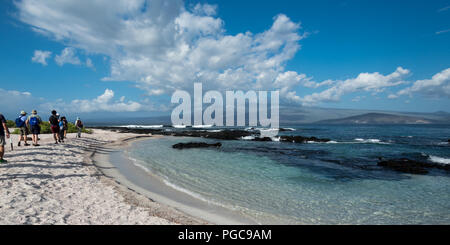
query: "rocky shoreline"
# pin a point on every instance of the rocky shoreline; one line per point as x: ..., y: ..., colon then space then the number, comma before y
x: 225, y: 134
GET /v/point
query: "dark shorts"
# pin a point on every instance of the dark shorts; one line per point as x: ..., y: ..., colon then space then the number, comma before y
x: 23, y: 131
x: 2, y: 140
x: 55, y: 129
x: 35, y: 129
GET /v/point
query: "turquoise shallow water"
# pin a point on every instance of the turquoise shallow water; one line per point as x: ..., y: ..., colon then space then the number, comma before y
x: 317, y: 183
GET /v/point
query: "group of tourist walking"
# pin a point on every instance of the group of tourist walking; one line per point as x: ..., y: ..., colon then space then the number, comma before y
x: 32, y: 125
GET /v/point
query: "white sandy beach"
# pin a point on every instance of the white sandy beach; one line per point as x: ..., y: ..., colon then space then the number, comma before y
x: 58, y: 184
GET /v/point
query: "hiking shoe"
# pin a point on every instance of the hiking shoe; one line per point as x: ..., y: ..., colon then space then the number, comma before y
x: 3, y: 161
x: 26, y: 144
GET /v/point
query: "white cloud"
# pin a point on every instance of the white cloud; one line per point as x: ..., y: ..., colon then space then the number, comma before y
x: 437, y: 86
x: 368, y: 82
x: 358, y: 98
x: 444, y: 9
x: 89, y: 63
x: 41, y: 57
x: 392, y: 96
x: 205, y: 9
x: 104, y: 102
x: 15, y: 101
x: 163, y: 46
x: 67, y: 56
x: 443, y: 31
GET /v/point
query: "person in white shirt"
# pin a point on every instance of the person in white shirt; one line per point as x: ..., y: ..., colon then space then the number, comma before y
x: 79, y: 125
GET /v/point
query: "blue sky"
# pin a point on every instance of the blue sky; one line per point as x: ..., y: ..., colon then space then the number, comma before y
x: 385, y: 55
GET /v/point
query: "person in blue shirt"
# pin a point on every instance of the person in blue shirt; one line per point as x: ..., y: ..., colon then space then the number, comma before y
x: 61, y: 129
x: 34, y: 122
x: 21, y: 124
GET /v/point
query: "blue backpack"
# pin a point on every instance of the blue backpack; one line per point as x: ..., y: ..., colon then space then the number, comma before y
x: 19, y: 122
x: 34, y: 121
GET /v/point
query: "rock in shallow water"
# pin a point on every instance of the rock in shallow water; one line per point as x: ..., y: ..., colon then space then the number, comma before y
x: 410, y: 166
x: 301, y: 139
x: 195, y: 145
x: 262, y: 139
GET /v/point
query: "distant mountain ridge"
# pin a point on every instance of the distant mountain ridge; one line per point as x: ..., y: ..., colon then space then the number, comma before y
x: 288, y: 116
x: 381, y: 118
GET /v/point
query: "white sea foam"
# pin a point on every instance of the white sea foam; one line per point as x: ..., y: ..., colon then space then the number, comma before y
x: 275, y: 139
x: 248, y: 137
x: 371, y: 141
x: 190, y: 193
x: 439, y: 160
x: 332, y: 142
x: 202, y: 126
x: 142, y: 126
x: 289, y: 129
x: 215, y: 131
x: 138, y: 163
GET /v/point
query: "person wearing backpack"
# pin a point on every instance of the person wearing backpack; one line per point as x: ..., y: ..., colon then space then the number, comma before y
x: 54, y: 125
x: 3, y: 131
x: 65, y: 126
x: 22, y: 126
x: 33, y: 123
x: 61, y: 129
x: 79, y: 125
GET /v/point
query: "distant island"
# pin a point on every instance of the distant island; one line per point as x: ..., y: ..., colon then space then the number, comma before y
x: 381, y: 118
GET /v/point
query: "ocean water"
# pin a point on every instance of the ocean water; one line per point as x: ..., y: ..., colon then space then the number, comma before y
x: 315, y: 183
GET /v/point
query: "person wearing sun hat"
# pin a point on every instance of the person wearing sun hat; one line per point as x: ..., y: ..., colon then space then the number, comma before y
x: 79, y: 125
x: 33, y: 122
x: 23, y: 128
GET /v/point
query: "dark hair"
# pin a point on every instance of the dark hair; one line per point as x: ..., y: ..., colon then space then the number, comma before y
x: 53, y: 112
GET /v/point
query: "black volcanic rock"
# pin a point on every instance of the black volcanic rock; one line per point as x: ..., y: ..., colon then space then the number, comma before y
x: 406, y: 165
x: 195, y: 145
x: 262, y: 139
x: 301, y: 139
x: 285, y: 129
x: 221, y: 135
x: 225, y: 134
